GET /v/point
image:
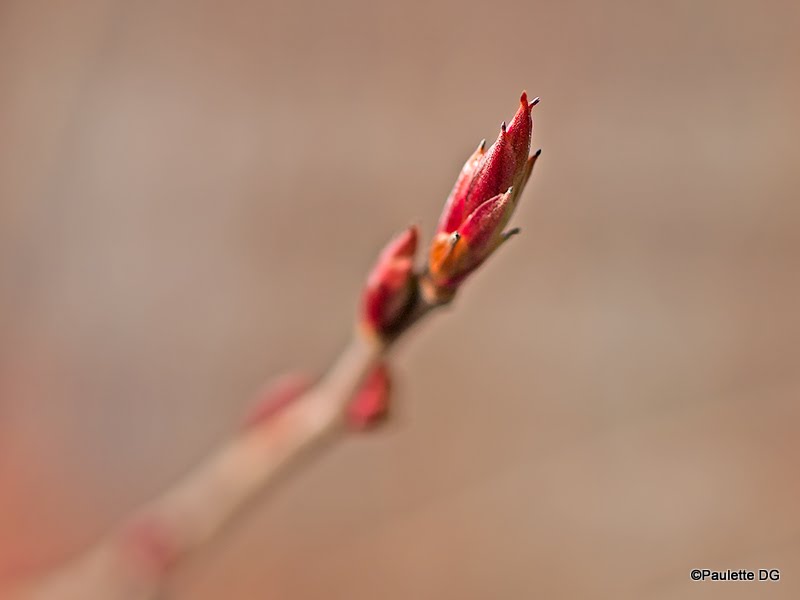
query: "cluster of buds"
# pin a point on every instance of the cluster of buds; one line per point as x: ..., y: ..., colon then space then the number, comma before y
x: 480, y: 206
x: 471, y: 227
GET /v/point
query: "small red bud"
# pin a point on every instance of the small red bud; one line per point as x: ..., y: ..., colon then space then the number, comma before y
x: 370, y: 406
x: 277, y: 395
x: 390, y: 285
x: 367, y: 407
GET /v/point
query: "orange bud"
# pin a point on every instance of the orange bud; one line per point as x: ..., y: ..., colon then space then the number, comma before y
x: 390, y: 285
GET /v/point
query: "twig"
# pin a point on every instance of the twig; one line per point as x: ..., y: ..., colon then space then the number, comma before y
x: 134, y: 561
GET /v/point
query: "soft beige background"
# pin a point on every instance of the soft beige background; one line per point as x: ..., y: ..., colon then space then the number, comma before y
x: 192, y: 192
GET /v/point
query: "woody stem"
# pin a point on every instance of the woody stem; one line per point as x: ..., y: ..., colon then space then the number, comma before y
x: 134, y: 560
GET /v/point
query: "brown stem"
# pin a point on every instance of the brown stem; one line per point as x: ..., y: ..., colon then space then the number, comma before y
x: 134, y: 560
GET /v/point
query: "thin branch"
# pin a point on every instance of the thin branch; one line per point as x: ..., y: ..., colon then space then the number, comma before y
x: 135, y: 560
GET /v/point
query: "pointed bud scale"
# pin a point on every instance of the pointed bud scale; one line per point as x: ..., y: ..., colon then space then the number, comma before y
x: 370, y: 405
x: 482, y: 230
x: 519, y: 132
x: 454, y: 257
x: 471, y: 226
x: 454, y: 211
x: 505, y: 160
x: 390, y: 285
x: 494, y: 175
x: 526, y: 175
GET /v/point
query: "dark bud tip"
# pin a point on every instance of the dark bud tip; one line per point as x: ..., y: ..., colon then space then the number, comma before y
x: 503, y: 127
x: 534, y: 102
x: 537, y: 153
x: 511, y: 233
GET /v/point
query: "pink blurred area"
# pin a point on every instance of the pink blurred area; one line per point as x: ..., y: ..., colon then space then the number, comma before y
x: 191, y: 194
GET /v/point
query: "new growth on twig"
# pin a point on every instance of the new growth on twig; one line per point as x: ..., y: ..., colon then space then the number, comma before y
x: 134, y: 560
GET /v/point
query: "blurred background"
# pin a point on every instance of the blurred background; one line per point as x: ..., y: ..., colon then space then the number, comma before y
x: 191, y: 194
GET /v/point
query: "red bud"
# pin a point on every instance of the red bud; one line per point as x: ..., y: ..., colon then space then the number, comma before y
x: 277, y: 395
x: 370, y: 405
x: 481, y: 204
x: 390, y: 285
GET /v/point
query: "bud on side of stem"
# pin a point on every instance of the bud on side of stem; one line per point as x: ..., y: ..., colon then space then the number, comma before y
x: 391, y: 284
